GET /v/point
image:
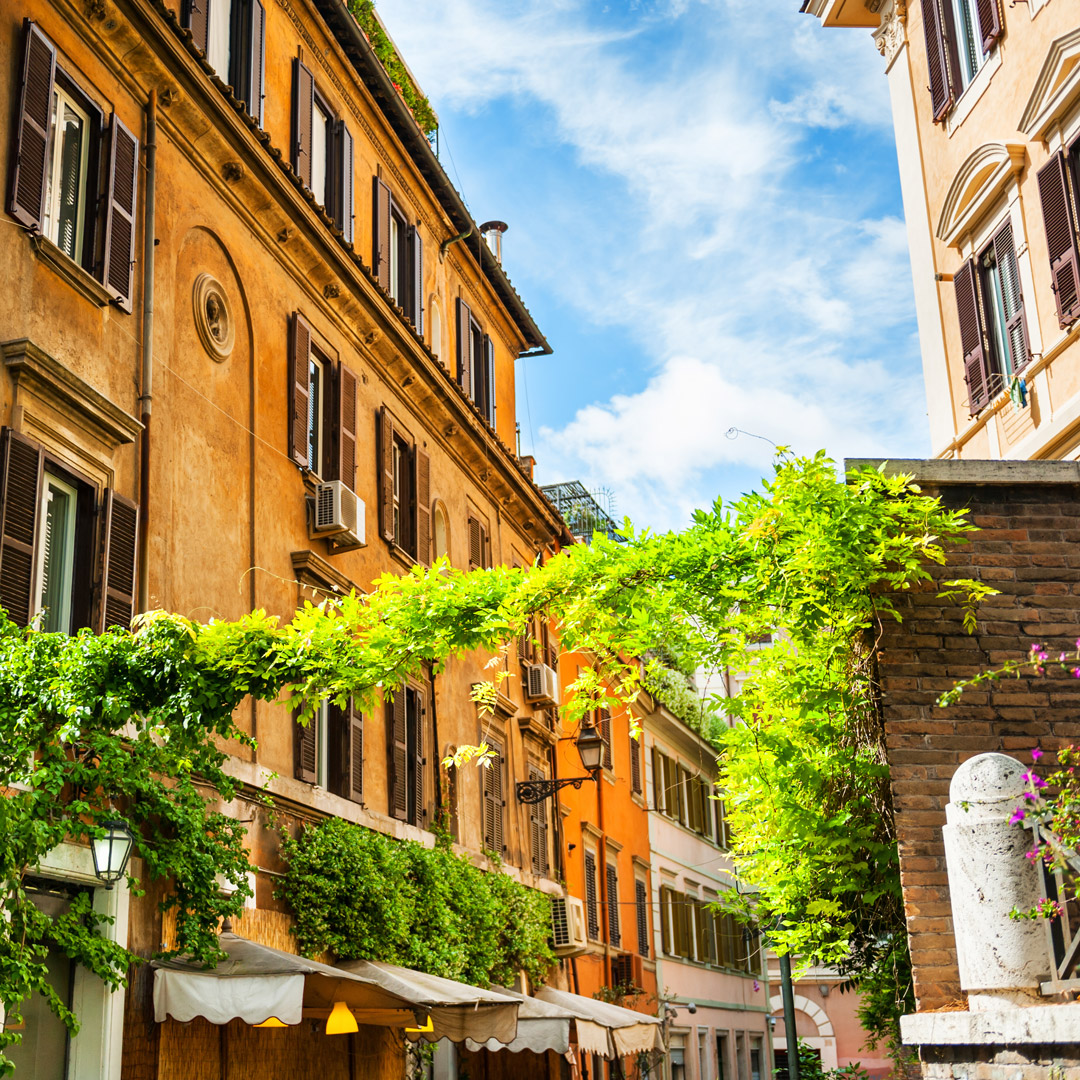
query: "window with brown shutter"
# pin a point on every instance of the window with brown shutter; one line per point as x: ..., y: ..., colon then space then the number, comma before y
x: 299, y: 387
x: 641, y: 910
x: 658, y: 801
x: 344, y: 190
x: 418, y: 756
x: 238, y: 53
x: 407, y: 760
x: 195, y: 15
x: 667, y: 920
x: 635, y: 765
x: 944, y: 73
x: 422, y: 464
x: 592, y: 908
x: 302, y: 120
x: 977, y: 372
x: 20, y: 499
x: 494, y: 808
x: 306, y: 743
x: 26, y: 197
x: 397, y: 740
x: 614, y: 932
x: 121, y: 528
x: 404, y: 491
x: 990, y: 25
x: 345, y: 434
x: 345, y: 740
x: 479, y: 544
x: 465, y: 323
x: 1002, y: 277
x: 680, y: 910
x: 604, y: 726
x: 1057, y: 192
x: 538, y: 830
x: 415, y: 306
x: 120, y: 213
x: 397, y: 253
x: 484, y: 378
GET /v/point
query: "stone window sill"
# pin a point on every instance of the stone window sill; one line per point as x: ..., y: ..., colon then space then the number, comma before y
x: 69, y: 270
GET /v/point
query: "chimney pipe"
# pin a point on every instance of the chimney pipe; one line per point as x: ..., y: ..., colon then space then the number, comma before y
x: 494, y: 241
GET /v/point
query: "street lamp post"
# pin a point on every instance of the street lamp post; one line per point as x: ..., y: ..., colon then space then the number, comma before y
x: 111, y: 851
x: 590, y: 744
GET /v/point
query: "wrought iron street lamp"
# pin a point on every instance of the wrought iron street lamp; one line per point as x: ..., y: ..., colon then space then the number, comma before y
x: 590, y: 744
x: 111, y: 851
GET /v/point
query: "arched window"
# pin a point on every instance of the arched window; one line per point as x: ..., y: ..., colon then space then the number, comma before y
x: 435, y: 323
x: 439, y: 529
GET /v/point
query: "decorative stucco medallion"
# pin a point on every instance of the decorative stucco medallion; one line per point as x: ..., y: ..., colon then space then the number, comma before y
x: 213, y: 317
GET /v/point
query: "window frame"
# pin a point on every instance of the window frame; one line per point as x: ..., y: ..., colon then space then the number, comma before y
x: 321, y: 104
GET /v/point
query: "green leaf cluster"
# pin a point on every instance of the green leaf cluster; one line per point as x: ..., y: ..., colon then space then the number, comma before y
x: 365, y: 896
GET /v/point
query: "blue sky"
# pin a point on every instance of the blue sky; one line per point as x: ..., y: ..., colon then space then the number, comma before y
x: 705, y: 221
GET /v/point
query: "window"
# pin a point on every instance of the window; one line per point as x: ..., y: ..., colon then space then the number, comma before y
x: 322, y: 407
x: 1059, y: 192
x: 721, y: 1057
x: 538, y: 830
x: 50, y: 545
x: 398, y: 254
x: 406, y: 718
x: 993, y: 329
x: 677, y: 1057
x: 404, y: 491
x: 479, y: 544
x: 756, y: 1054
x: 494, y: 800
x: 232, y: 34
x: 60, y: 162
x: 592, y: 902
x: 641, y: 910
x: 635, y: 765
x: 330, y: 750
x: 614, y: 931
x: 475, y: 362
x: 960, y: 35
x: 703, y: 1055
x: 439, y: 533
x: 322, y: 151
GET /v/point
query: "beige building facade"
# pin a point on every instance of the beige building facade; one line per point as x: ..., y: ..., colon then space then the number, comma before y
x: 986, y: 110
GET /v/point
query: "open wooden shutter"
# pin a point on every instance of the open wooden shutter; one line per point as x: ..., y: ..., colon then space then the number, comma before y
x: 498, y: 767
x: 476, y: 544
x: 659, y: 802
x: 305, y: 751
x: 20, y: 499
x: 614, y: 932
x: 120, y: 213
x: 415, y: 307
x: 1012, y: 297
x: 299, y: 390
x: 302, y: 119
x: 345, y: 187
x: 667, y: 920
x: 346, y: 426
x: 493, y: 800
x: 255, y: 90
x: 419, y: 758
x: 489, y: 380
x: 682, y: 934
x: 380, y: 233
x: 195, y: 15
x: 701, y: 935
x: 592, y: 913
x: 386, y: 475
x: 356, y: 753
x: 976, y: 365
x: 1058, y: 217
x: 464, y: 347
x: 26, y: 194
x: 937, y: 20
x: 604, y: 724
x: 397, y: 740
x: 635, y: 766
x: 990, y: 25
x: 694, y: 792
x: 641, y: 904
x: 422, y: 464
x: 119, y: 545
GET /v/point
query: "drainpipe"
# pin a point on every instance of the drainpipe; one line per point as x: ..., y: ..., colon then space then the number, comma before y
x: 437, y: 756
x: 146, y: 397
x: 447, y: 244
x: 788, y: 992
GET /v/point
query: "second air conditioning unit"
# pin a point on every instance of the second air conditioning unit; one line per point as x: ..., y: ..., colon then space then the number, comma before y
x: 541, y: 684
x: 568, y: 925
x: 339, y: 514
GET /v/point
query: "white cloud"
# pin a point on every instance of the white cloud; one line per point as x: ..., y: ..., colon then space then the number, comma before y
x: 724, y: 227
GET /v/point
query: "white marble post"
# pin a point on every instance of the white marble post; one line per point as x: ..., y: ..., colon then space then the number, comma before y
x: 1002, y: 960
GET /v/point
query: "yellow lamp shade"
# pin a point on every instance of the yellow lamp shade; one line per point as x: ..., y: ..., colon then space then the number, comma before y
x: 340, y: 1021
x: 271, y: 1022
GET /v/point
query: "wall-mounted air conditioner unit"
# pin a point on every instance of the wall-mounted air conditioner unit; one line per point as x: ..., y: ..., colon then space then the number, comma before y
x: 541, y: 684
x: 338, y: 515
x: 568, y: 925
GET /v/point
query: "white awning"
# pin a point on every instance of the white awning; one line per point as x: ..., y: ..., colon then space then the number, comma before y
x: 599, y: 1024
x: 541, y: 1027
x: 454, y: 1010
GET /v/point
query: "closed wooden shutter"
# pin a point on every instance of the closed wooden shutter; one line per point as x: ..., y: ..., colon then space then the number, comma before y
x: 196, y: 17
x: 256, y: 88
x: 667, y: 920
x: 422, y: 464
x: 604, y: 725
x: 464, y: 347
x: 26, y: 195
x: 305, y: 747
x: 635, y: 765
x: 592, y: 912
x: 990, y: 25
x: 119, y: 545
x: 494, y: 801
x: 302, y: 119
x: 659, y: 802
x: 415, y: 305
x: 972, y: 337
x: 538, y: 830
x: 356, y: 753
x: 419, y: 757
x: 940, y: 54
x: 1055, y: 193
x: 20, y: 500
x: 672, y: 783
x: 346, y: 426
x: 476, y: 544
x: 614, y: 931
x: 299, y: 390
x: 120, y: 213
x: 386, y: 475
x: 701, y: 935
x: 696, y: 821
x: 380, y: 232
x: 489, y: 389
x: 345, y: 186
x: 641, y: 910
x: 397, y: 741
x: 682, y: 925
x: 1012, y: 297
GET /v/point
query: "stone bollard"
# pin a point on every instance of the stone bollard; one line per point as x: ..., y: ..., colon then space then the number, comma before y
x: 1001, y: 960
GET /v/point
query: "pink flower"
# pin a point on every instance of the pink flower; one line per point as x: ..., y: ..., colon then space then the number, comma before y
x: 1078, y: 644
x: 1038, y: 781
x: 757, y: 986
x: 1036, y: 753
x: 1018, y: 815
x: 1030, y: 795
x: 1062, y: 656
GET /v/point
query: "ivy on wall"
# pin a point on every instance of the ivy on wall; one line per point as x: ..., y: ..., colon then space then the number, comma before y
x: 366, y: 896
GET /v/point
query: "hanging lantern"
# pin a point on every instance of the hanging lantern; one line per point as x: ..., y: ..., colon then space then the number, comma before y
x: 590, y: 744
x: 111, y: 851
x: 341, y: 1020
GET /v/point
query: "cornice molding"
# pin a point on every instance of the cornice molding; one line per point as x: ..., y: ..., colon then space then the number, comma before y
x: 982, y: 178
x: 1056, y: 89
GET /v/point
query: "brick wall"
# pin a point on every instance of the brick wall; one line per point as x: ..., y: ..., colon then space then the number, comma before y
x: 1027, y: 547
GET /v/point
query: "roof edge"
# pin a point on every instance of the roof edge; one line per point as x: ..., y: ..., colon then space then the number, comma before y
x: 969, y: 471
